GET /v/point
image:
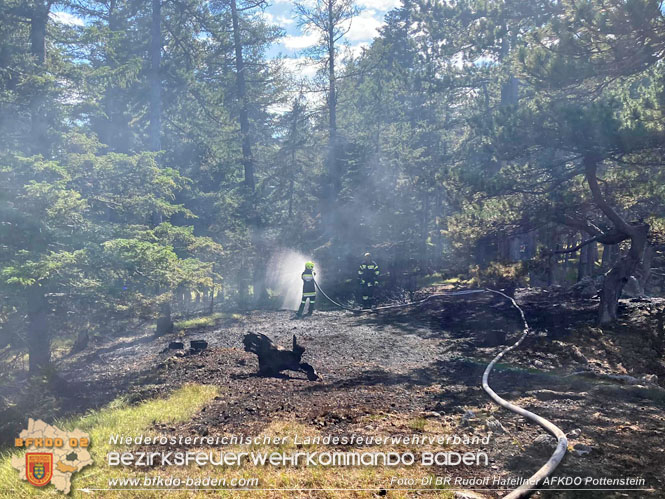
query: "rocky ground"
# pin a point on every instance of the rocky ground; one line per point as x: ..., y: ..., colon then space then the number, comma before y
x: 403, y: 371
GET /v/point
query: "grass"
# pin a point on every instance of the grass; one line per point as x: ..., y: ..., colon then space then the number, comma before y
x: 204, y: 321
x: 60, y: 346
x: 181, y: 405
x: 369, y: 478
x: 439, y: 279
x: 198, y: 322
x: 117, y: 417
x: 418, y: 424
x: 430, y: 280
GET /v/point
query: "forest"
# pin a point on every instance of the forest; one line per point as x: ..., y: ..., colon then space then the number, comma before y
x: 158, y: 161
x: 156, y: 155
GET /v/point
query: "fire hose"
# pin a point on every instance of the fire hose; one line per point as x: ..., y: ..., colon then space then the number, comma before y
x: 528, y: 486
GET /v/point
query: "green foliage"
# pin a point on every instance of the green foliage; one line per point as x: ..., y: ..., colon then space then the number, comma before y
x: 84, y: 235
x: 498, y: 275
x: 462, y: 131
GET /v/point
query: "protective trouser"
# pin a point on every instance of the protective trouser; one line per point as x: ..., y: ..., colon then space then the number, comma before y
x: 308, y: 292
x: 367, y: 291
x: 307, y: 295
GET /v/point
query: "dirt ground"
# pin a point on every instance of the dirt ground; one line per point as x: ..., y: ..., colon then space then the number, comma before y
x: 396, y: 373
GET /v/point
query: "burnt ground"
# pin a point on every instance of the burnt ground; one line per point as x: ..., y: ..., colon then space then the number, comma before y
x: 381, y: 372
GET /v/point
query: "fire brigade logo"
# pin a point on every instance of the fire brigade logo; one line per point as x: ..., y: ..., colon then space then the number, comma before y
x: 38, y: 468
x: 52, y: 456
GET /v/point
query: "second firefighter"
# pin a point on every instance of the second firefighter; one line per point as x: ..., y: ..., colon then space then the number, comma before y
x: 368, y: 277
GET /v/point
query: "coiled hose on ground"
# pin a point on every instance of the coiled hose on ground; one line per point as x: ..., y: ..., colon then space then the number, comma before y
x: 527, y: 488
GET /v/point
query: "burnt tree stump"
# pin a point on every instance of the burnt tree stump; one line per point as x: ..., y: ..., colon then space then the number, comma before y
x: 197, y: 346
x: 274, y: 359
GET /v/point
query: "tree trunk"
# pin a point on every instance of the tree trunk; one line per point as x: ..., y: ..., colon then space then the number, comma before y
x: 439, y: 240
x: 38, y: 23
x: 39, y: 337
x: 332, y: 102
x: 114, y: 129
x: 610, y: 257
x: 246, y: 144
x: 187, y: 300
x: 644, y: 272
x: 247, y: 158
x: 293, y: 170
x: 616, y: 278
x: 155, y: 78
x: 332, y: 180
x: 243, y: 285
x: 626, y: 266
x: 553, y: 258
x: 164, y: 323
x: 38, y: 121
x: 424, y: 230
x: 587, y: 261
x: 592, y: 258
x: 261, y: 297
x: 510, y: 89
x: 514, y: 243
x: 551, y: 268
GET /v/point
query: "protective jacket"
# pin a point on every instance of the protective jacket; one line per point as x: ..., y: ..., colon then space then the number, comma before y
x: 368, y: 274
x: 308, y: 288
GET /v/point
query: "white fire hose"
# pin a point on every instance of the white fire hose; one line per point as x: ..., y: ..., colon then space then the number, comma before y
x: 527, y: 488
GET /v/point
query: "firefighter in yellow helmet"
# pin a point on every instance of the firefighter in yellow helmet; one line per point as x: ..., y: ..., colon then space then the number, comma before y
x: 368, y: 277
x: 308, y: 289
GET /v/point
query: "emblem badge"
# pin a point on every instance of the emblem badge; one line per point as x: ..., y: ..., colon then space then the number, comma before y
x: 38, y: 468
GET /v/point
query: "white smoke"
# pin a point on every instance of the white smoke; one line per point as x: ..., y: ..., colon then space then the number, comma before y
x: 283, y: 276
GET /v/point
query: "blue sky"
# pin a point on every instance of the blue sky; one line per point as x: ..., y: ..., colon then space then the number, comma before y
x: 363, y: 27
x: 281, y: 13
x: 290, y: 49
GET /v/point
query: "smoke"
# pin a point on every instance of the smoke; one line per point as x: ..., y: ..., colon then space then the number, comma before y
x: 283, y: 276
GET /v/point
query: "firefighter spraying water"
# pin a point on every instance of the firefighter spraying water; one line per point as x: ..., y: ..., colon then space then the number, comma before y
x: 283, y: 277
x: 308, y: 290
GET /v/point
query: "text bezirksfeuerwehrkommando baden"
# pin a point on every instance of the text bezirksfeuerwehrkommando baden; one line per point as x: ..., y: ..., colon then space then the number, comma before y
x: 295, y: 459
x: 299, y: 458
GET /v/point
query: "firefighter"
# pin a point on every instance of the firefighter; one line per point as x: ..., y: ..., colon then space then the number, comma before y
x: 368, y: 276
x: 308, y: 289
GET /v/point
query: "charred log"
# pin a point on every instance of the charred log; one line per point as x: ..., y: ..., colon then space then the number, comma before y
x: 197, y: 346
x: 274, y: 359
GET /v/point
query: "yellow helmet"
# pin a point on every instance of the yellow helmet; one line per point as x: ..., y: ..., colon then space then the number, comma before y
x: 309, y: 265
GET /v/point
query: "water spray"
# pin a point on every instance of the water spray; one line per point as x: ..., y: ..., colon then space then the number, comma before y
x: 283, y: 276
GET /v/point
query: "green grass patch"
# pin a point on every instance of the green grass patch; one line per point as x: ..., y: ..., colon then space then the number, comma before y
x: 204, y: 321
x: 60, y: 346
x: 118, y: 417
x: 198, y: 322
x: 418, y: 424
x: 430, y: 280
